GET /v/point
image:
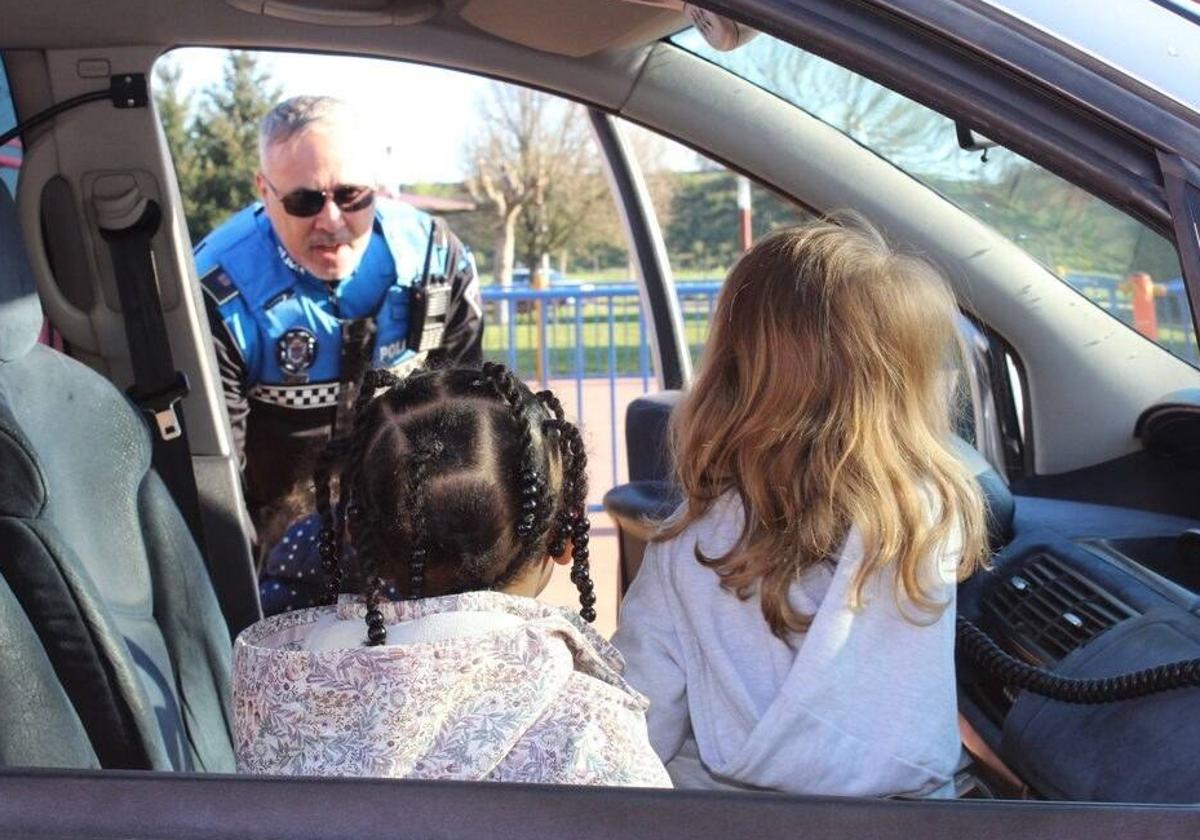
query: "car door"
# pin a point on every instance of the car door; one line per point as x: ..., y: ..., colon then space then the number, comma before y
x: 972, y: 63
x: 1101, y: 536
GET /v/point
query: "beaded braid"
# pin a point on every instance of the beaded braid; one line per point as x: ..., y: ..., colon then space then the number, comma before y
x: 553, y: 430
x: 331, y: 537
x: 535, y: 504
x: 415, y: 501
x: 573, y: 520
x: 366, y: 526
x: 326, y: 540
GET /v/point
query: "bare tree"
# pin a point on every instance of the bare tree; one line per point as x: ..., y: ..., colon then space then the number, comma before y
x: 535, y: 166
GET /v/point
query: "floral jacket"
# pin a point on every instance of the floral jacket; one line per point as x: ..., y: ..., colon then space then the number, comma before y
x: 539, y: 700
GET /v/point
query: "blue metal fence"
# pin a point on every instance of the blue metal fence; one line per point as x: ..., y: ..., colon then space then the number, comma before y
x: 589, y: 344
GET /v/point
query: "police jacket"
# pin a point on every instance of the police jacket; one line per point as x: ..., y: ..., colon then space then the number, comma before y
x: 284, y: 338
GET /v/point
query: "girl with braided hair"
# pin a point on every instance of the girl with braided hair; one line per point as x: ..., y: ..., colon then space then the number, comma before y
x: 457, y: 489
x: 793, y: 623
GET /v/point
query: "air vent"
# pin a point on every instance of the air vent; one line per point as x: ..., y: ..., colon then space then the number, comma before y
x: 1046, y: 610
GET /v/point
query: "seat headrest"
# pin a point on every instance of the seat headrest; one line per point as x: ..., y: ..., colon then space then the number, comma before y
x: 20, y: 310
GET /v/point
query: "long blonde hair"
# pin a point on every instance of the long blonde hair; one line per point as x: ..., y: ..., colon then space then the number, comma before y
x: 822, y: 400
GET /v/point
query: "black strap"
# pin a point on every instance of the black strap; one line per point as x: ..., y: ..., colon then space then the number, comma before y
x: 358, y: 346
x: 158, y: 386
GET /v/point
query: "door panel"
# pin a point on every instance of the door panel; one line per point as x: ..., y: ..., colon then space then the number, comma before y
x: 130, y: 805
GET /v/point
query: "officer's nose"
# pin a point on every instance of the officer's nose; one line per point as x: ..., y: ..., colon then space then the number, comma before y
x: 330, y: 218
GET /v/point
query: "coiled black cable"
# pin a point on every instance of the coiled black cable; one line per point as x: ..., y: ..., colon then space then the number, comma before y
x: 979, y: 648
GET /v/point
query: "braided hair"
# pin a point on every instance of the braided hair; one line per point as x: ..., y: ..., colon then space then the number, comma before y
x: 452, y: 480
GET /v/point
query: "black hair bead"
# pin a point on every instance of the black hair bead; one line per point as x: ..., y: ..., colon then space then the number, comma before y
x: 374, y: 617
x: 587, y: 614
x: 376, y: 634
x: 587, y: 599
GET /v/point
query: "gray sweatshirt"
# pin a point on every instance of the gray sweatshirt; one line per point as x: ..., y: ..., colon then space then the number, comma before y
x: 862, y: 704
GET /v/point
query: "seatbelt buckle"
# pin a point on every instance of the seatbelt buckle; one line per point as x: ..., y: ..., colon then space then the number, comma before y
x: 164, y: 406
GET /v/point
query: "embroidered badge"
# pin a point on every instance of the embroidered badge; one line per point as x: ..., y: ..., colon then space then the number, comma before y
x: 218, y: 286
x: 297, y: 352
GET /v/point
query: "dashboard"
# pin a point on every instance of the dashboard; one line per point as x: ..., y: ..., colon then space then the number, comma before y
x: 1087, y: 590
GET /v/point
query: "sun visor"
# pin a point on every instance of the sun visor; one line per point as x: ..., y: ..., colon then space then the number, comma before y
x: 573, y: 28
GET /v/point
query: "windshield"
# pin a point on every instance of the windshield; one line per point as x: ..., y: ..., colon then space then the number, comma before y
x: 1165, y: 53
x: 1100, y: 251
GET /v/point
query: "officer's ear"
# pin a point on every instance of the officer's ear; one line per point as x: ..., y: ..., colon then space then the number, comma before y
x: 260, y: 183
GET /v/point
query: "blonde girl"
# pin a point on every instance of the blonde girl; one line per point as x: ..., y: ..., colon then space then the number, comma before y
x: 793, y: 622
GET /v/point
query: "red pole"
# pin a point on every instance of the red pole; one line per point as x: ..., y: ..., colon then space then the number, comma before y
x: 743, y: 203
x: 1145, y: 319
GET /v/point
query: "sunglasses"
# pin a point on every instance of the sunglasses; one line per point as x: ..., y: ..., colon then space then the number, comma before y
x: 306, y: 203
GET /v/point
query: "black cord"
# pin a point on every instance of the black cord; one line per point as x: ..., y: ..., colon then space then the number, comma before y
x: 978, y: 647
x: 51, y: 112
x: 125, y: 90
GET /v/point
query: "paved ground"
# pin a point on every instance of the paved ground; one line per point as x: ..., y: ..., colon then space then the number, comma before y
x: 601, y: 401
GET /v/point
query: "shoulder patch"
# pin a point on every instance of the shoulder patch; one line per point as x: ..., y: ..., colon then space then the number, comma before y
x: 218, y: 286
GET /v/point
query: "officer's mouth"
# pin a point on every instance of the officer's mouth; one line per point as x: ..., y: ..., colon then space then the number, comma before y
x: 330, y: 252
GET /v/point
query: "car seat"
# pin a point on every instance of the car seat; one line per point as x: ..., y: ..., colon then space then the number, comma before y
x: 101, y: 563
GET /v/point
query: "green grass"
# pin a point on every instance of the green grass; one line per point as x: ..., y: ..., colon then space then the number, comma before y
x: 622, y: 275
x: 564, y: 353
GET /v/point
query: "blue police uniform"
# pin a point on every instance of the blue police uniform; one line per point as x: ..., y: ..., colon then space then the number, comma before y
x: 286, y: 348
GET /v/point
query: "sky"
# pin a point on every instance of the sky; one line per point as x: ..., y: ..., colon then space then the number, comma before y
x: 411, y: 105
x: 407, y: 103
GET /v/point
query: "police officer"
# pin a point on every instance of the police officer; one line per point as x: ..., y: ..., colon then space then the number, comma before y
x: 313, y: 283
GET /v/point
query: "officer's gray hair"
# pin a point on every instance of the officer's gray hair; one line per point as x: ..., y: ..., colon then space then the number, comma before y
x: 292, y: 116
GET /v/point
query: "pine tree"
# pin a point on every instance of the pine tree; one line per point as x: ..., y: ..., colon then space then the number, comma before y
x: 224, y: 139
x: 173, y: 110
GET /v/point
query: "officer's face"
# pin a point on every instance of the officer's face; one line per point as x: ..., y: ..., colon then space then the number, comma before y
x: 330, y: 244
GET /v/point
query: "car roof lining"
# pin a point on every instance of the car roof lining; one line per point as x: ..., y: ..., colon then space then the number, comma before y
x: 573, y: 28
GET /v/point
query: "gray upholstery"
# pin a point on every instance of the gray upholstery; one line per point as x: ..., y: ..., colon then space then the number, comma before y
x: 20, y: 312
x: 38, y: 726
x: 101, y: 561
x: 647, y: 448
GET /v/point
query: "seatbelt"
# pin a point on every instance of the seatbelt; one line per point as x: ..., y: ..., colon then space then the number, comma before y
x: 128, y: 223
